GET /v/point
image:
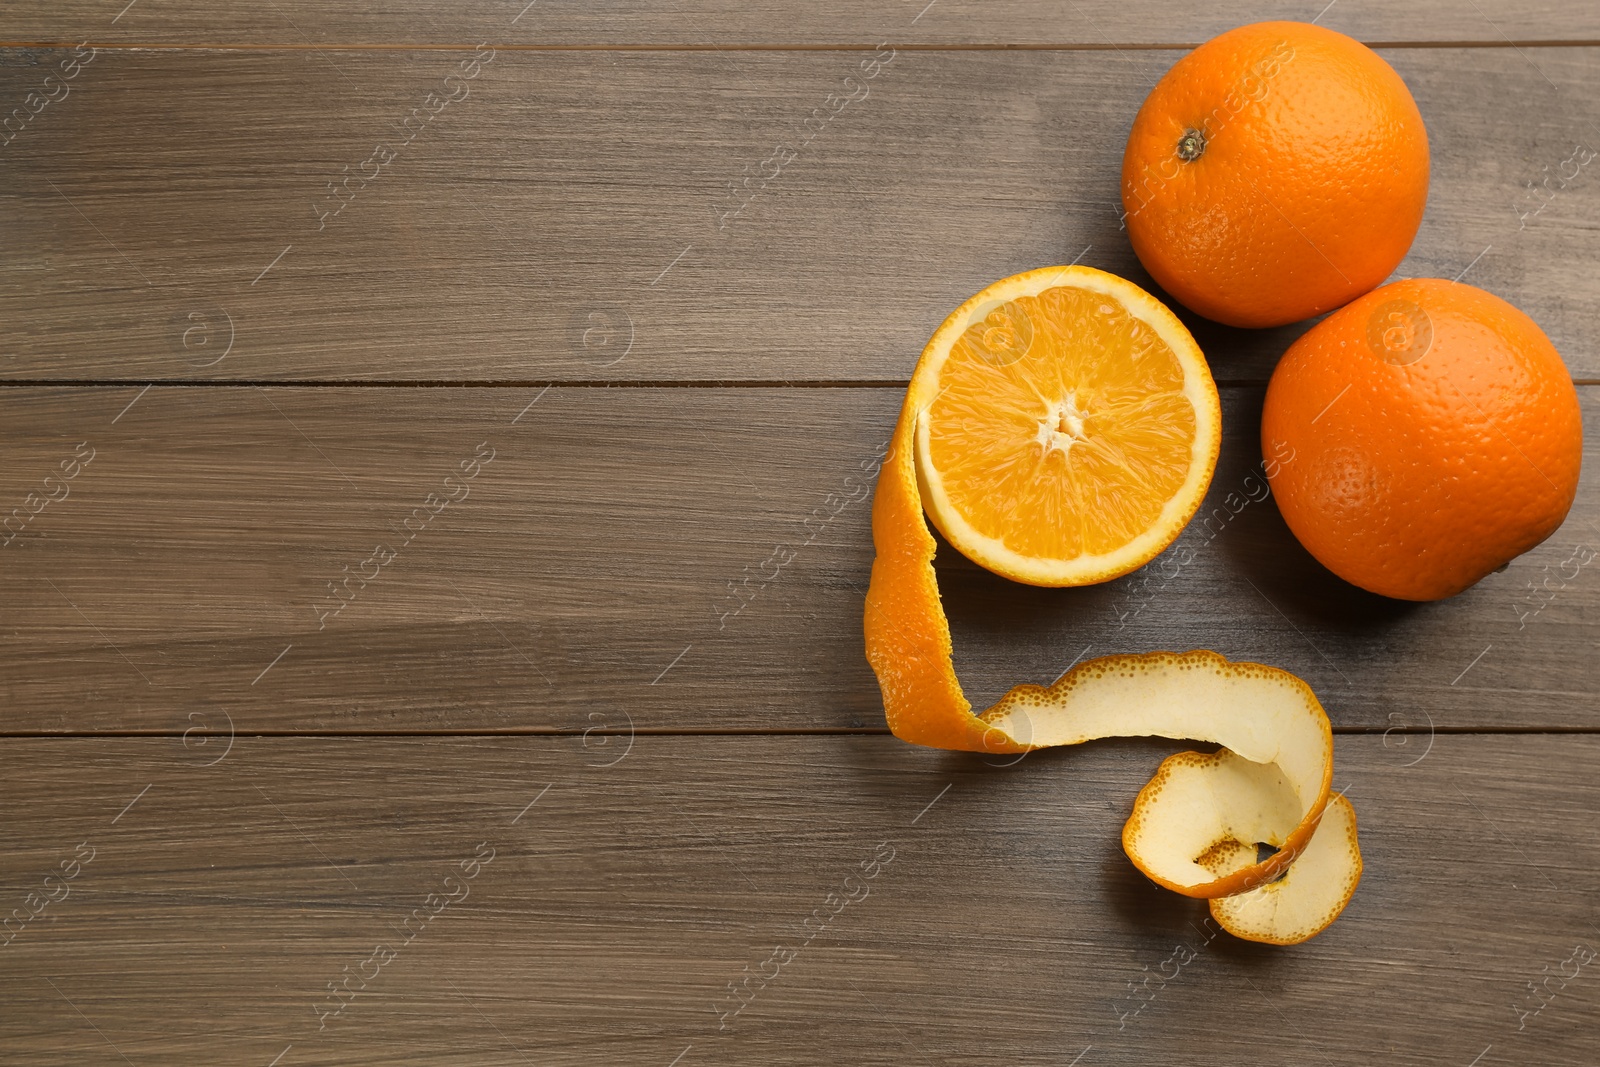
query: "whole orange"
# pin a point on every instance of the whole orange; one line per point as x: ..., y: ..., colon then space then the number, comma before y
x: 1276, y: 172
x: 1421, y: 437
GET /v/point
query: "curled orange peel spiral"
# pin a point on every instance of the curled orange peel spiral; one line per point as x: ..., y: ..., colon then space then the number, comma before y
x: 1195, y: 826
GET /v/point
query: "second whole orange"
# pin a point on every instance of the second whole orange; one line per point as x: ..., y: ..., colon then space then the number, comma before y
x: 1428, y: 433
x: 1277, y: 172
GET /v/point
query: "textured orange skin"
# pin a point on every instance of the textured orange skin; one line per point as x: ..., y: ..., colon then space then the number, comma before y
x: 1310, y: 187
x: 1423, y: 478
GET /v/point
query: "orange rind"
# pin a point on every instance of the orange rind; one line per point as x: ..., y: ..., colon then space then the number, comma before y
x: 1197, y: 826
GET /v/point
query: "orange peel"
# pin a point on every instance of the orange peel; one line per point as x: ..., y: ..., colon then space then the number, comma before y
x: 1196, y: 825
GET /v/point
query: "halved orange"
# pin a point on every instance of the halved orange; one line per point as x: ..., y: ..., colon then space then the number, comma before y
x: 1067, y: 427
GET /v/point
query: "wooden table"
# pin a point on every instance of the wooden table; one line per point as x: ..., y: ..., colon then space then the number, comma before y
x: 399, y: 614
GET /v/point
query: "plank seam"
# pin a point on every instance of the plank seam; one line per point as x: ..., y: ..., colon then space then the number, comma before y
x: 710, y: 731
x: 287, y: 46
x: 529, y: 383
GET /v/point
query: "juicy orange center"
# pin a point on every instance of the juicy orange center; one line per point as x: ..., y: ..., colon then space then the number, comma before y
x: 1061, y: 427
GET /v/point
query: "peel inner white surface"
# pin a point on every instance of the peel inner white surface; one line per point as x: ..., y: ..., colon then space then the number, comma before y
x: 1196, y: 824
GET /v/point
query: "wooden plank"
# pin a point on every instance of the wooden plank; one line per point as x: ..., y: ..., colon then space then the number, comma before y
x: 620, y: 902
x: 726, y: 23
x: 677, y: 558
x: 564, y: 220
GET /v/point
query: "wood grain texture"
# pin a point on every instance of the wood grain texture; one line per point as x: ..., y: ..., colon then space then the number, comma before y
x: 727, y: 23
x: 622, y: 555
x: 594, y: 560
x: 561, y: 221
x: 1007, y: 927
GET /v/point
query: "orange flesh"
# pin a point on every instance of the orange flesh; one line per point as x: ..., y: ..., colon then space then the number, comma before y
x: 1073, y: 448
